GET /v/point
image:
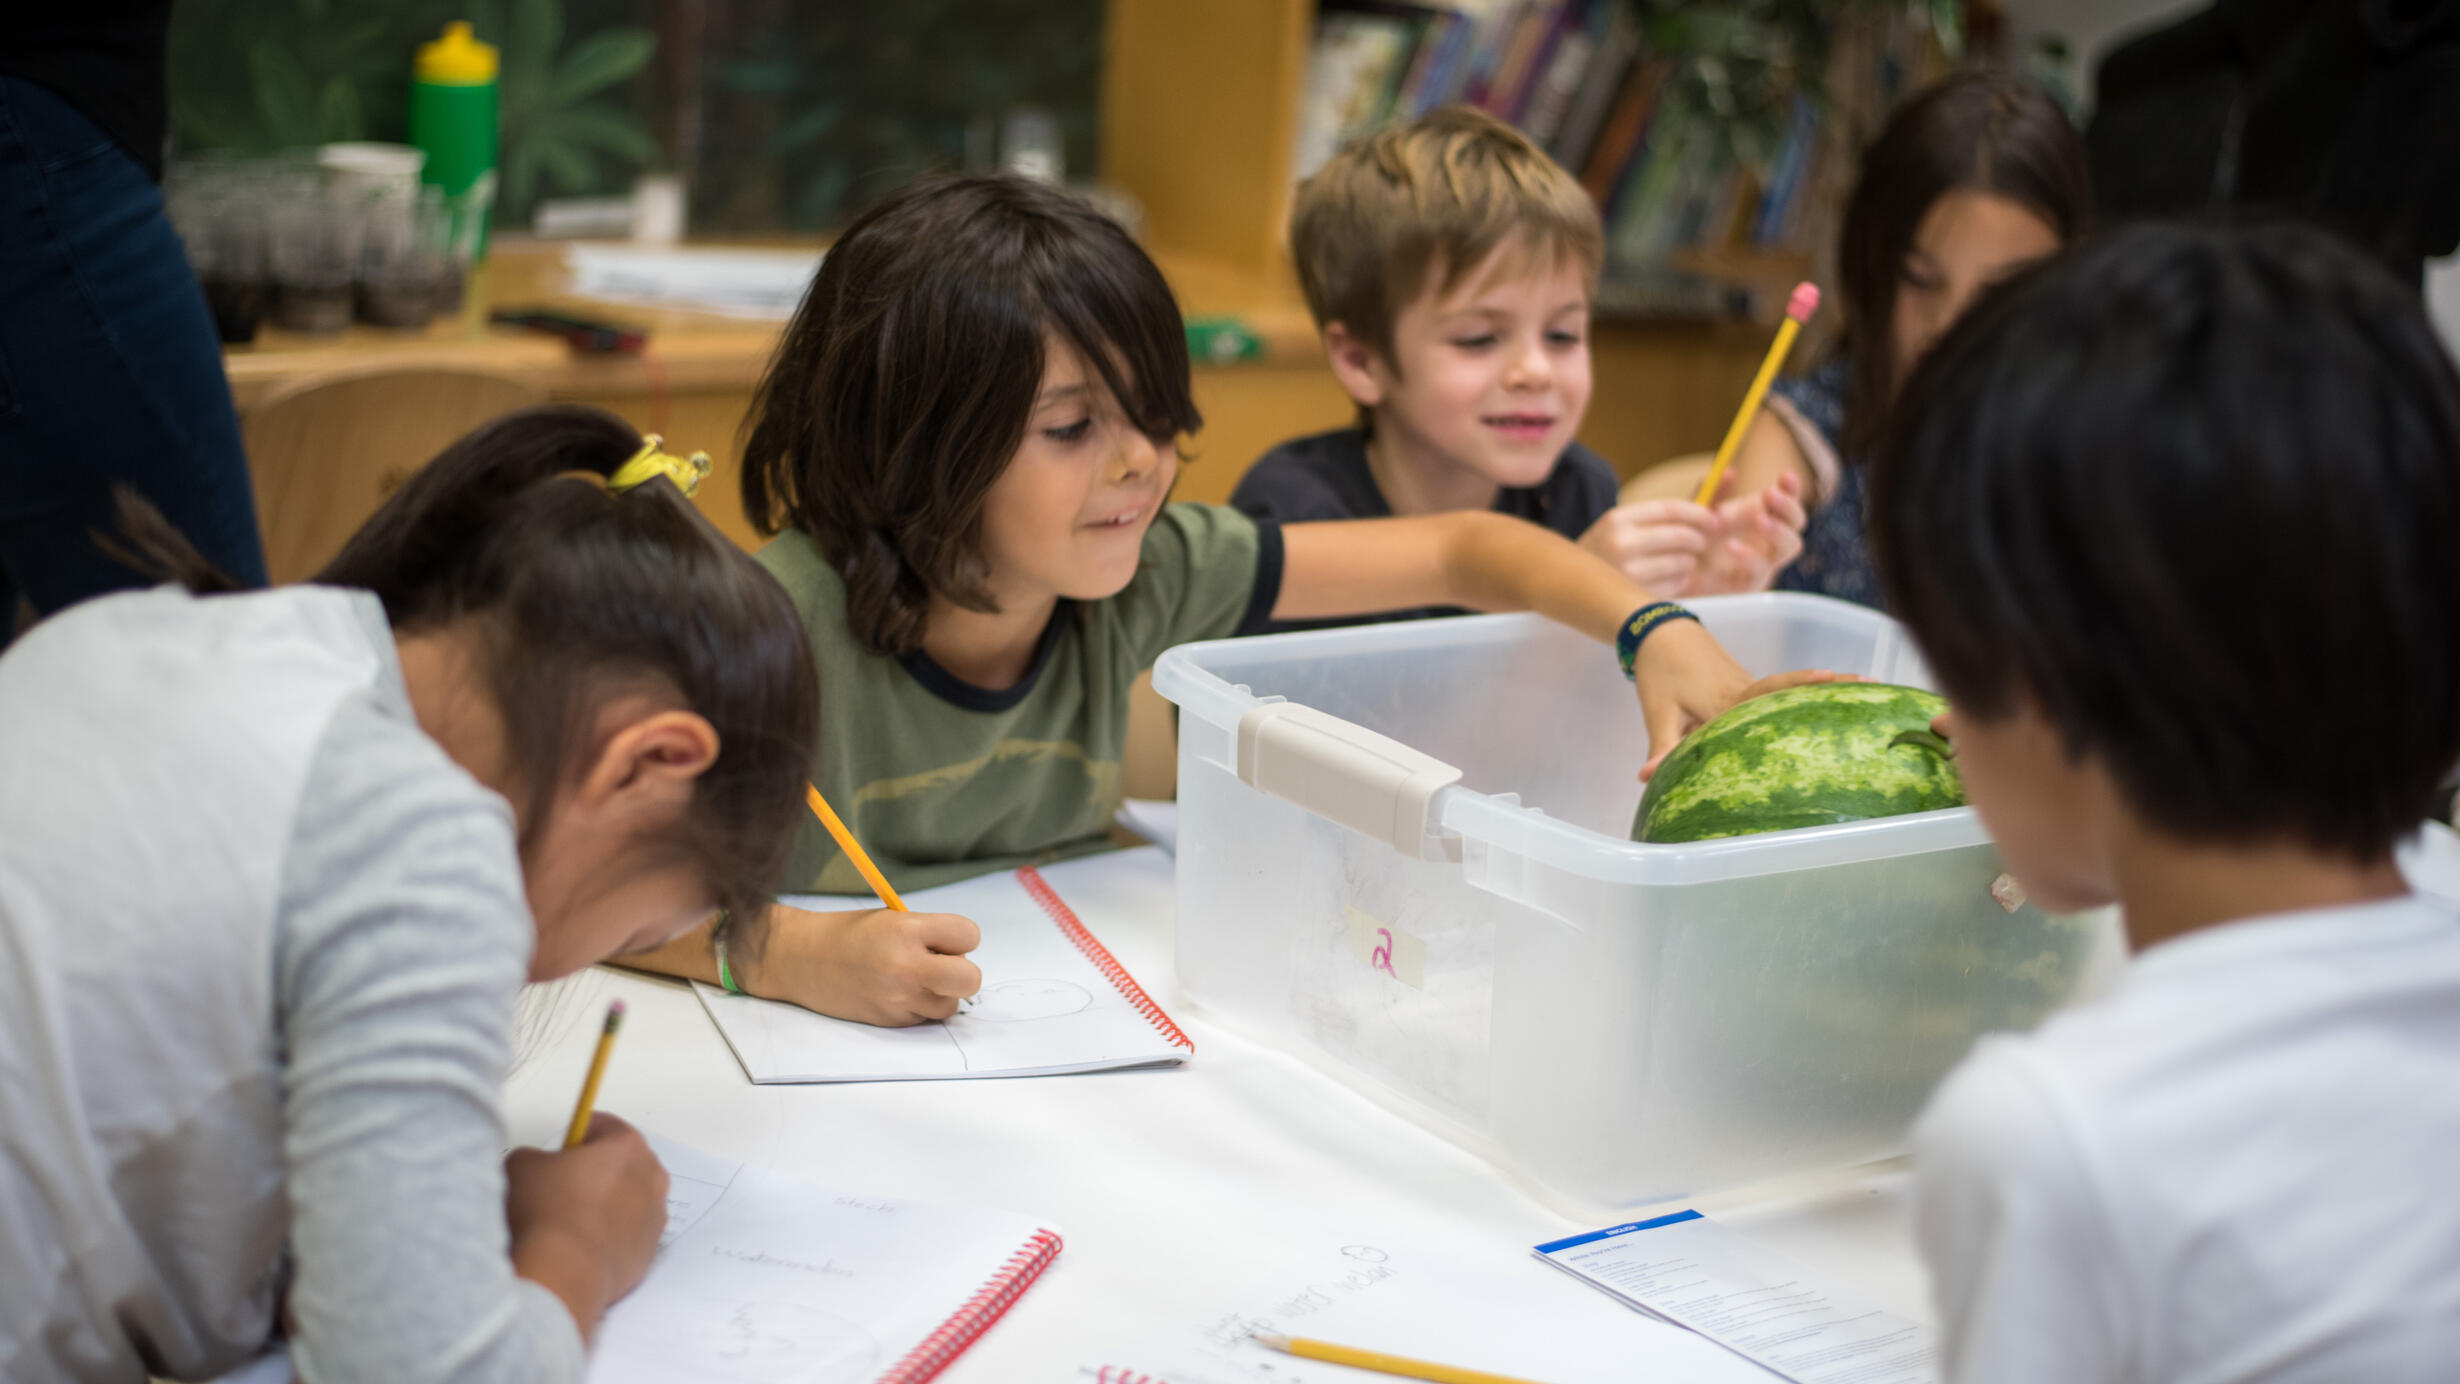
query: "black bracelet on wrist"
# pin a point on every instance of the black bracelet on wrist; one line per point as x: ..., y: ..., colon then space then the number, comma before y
x: 1644, y: 620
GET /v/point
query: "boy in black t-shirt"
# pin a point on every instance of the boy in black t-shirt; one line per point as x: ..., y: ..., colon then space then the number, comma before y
x: 1449, y: 264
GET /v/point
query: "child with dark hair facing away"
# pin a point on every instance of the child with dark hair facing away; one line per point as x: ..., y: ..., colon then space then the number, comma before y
x: 2234, y: 1167
x: 1973, y: 178
x: 969, y: 440
x: 1449, y: 265
x: 274, y: 868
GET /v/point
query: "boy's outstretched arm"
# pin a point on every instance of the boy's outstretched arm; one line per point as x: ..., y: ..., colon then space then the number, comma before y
x: 1493, y: 562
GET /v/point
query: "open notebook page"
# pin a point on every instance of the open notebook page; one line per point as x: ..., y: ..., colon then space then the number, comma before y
x: 1046, y: 1006
x: 1507, y: 1316
x: 764, y: 1279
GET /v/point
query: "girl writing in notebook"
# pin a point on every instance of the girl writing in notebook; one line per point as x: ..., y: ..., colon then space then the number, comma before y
x: 273, y: 868
x: 966, y: 447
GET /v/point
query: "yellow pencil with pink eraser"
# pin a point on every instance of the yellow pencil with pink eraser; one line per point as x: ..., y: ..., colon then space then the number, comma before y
x: 1798, y: 310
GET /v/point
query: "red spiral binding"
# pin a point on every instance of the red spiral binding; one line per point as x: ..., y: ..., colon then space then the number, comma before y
x: 941, y: 1348
x: 1100, y: 956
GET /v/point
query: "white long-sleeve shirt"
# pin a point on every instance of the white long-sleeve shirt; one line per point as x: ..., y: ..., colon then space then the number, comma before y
x: 260, y: 942
x: 2242, y: 1165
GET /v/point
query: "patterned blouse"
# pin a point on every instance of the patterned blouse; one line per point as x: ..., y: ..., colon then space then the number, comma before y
x: 1836, y: 553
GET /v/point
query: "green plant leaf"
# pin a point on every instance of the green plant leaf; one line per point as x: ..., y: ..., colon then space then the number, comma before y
x: 1947, y: 24
x: 598, y: 62
x: 810, y: 127
x: 520, y: 180
x: 338, y: 112
x: 534, y: 30
x: 568, y: 167
x: 602, y: 128
x: 285, y: 102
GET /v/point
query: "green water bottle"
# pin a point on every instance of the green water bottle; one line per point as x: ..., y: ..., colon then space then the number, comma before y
x: 453, y: 118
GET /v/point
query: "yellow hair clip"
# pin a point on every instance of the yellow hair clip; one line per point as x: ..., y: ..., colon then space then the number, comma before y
x: 653, y: 460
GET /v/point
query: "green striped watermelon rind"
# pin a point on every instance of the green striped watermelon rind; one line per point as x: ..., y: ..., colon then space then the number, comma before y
x: 1805, y: 757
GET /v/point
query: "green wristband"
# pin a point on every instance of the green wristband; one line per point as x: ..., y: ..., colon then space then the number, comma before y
x: 717, y: 944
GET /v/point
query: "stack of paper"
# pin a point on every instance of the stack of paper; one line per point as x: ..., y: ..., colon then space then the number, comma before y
x: 763, y: 284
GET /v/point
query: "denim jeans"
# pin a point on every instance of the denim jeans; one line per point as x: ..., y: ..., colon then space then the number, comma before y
x: 110, y: 370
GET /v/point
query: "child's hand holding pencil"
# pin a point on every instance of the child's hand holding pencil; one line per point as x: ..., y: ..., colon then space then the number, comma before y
x: 585, y: 1219
x: 882, y: 966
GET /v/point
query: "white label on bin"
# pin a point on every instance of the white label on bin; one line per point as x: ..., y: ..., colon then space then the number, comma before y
x: 1382, y: 947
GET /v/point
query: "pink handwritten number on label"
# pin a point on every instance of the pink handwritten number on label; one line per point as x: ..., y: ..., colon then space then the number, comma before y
x: 1381, y: 958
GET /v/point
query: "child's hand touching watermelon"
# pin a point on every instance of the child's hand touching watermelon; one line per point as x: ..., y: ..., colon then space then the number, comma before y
x: 1686, y: 679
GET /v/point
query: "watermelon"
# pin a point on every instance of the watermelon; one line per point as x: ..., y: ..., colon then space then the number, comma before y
x: 1804, y: 757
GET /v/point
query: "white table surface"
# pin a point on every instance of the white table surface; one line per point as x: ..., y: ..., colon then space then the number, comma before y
x: 1175, y: 1189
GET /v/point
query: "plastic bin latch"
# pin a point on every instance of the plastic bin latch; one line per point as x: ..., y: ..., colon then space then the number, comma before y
x: 1343, y: 771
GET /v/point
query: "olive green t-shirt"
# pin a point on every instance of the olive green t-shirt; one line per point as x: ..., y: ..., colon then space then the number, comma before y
x: 941, y: 780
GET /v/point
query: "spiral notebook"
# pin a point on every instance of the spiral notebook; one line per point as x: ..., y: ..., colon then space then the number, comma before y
x: 1053, y: 1000
x: 762, y: 1277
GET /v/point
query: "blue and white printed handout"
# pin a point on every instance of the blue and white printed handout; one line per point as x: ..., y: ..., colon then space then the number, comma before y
x: 1746, y: 1297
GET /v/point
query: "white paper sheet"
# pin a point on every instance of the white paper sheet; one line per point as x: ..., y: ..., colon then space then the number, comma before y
x: 765, y: 285
x: 763, y: 1279
x: 1505, y: 1317
x: 1154, y: 819
x: 1044, y: 1008
x: 1694, y: 1272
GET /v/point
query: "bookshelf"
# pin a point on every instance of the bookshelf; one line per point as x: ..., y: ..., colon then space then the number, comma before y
x: 1200, y: 120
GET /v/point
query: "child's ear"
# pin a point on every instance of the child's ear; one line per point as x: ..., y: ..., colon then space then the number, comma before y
x: 654, y: 759
x: 1355, y: 364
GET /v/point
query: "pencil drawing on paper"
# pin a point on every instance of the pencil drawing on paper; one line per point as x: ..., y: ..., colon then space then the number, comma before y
x: 756, y: 1342
x: 1015, y: 1001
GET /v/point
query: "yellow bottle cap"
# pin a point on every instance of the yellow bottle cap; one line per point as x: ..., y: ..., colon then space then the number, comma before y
x: 457, y: 59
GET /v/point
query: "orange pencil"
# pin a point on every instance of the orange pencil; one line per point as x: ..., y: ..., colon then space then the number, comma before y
x: 853, y: 849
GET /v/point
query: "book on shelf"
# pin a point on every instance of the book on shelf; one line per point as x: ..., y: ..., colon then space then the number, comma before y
x: 1558, y: 85
x: 1354, y: 69
x: 1579, y: 77
x: 1612, y: 57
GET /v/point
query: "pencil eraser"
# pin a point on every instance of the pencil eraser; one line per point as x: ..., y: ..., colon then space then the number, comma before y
x: 1804, y: 302
x: 615, y: 1007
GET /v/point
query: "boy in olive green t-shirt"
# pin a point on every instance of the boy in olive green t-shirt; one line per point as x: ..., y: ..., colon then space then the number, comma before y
x: 942, y: 780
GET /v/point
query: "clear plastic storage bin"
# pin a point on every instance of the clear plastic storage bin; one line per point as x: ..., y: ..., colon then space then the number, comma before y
x: 1404, y: 855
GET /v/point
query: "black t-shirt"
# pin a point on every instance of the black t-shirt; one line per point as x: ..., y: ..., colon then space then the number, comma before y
x: 1326, y: 477
x: 105, y: 57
